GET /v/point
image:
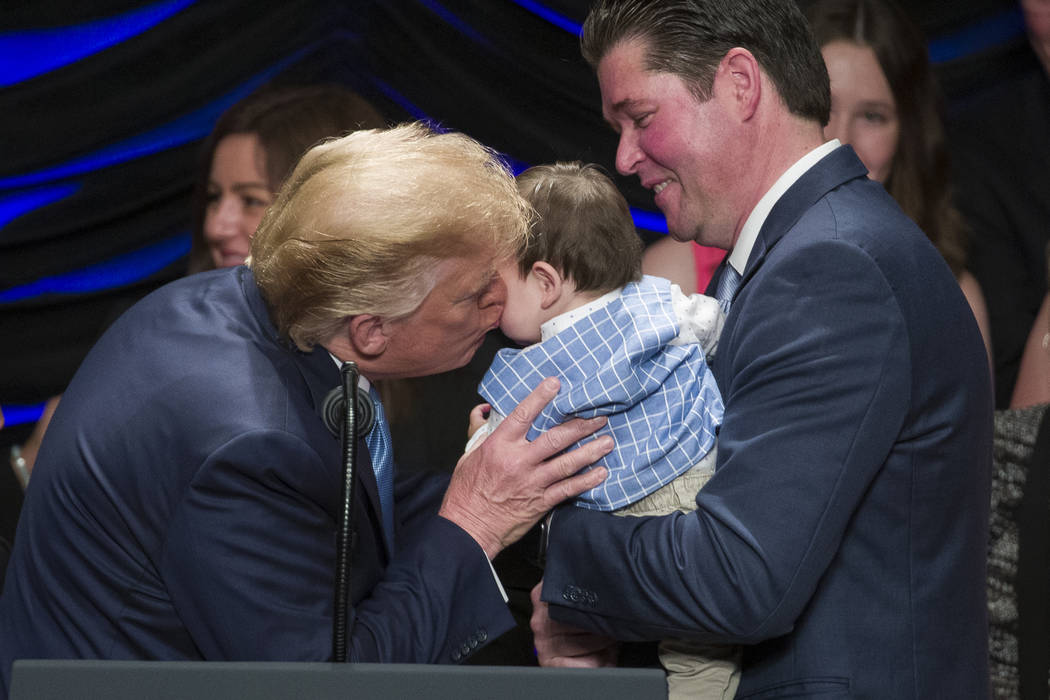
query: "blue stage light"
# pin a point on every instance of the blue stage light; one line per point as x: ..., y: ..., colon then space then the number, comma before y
x: 29, y: 53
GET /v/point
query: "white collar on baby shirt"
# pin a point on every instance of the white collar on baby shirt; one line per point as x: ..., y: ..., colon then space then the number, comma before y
x: 562, y: 321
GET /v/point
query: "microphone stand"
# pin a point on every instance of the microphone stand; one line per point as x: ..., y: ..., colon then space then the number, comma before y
x: 345, y: 535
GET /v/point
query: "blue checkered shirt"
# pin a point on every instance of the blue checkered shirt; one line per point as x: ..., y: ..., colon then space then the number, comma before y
x: 662, y: 402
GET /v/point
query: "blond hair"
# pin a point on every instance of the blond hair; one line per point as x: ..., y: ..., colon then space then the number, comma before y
x: 363, y: 221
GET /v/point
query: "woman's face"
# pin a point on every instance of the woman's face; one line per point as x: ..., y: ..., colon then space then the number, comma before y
x: 863, y: 111
x: 238, y: 195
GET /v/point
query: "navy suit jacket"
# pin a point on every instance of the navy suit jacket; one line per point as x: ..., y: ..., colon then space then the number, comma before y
x: 842, y: 538
x: 186, y: 500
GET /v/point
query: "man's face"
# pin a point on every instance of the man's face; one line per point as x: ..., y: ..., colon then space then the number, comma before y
x: 679, y: 148
x: 450, y: 325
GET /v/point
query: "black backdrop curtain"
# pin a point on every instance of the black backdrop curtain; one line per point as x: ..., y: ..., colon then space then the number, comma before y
x: 103, y: 105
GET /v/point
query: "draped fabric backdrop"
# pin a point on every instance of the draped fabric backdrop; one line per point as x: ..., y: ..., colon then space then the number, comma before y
x: 103, y: 105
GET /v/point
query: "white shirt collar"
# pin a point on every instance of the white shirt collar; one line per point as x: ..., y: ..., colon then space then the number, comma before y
x: 749, y: 233
x: 564, y: 320
x: 362, y: 380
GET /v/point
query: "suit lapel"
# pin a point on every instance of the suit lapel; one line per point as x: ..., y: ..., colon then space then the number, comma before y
x: 831, y: 171
x: 834, y: 169
x: 321, y: 375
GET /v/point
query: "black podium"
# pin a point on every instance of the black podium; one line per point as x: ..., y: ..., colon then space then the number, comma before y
x: 191, y: 680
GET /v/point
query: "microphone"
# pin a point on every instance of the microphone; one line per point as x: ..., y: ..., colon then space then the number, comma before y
x: 333, y: 411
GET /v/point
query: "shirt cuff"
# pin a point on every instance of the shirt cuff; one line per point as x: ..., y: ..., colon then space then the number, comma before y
x: 495, y: 577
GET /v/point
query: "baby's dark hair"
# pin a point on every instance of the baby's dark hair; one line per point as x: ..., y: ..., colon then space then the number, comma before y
x: 583, y: 227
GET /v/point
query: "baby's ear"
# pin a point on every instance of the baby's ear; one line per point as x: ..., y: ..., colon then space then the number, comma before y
x: 550, y: 282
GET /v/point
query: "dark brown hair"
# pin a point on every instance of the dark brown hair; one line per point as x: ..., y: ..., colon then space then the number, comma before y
x: 583, y: 227
x: 919, y: 175
x: 287, y: 122
x: 689, y: 38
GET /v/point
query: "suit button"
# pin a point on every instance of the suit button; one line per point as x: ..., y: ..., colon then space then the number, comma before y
x: 465, y: 649
x: 456, y: 656
x: 482, y: 634
x: 474, y: 643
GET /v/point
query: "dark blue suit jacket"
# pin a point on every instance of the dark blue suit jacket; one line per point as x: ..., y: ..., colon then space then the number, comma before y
x: 185, y: 505
x: 842, y: 538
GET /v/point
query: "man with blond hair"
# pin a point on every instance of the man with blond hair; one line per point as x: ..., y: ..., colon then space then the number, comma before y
x: 187, y: 497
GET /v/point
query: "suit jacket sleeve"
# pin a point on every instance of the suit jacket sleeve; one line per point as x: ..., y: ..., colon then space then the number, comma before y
x: 815, y: 380
x: 263, y: 525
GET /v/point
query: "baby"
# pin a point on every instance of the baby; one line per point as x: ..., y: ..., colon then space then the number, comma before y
x: 628, y: 347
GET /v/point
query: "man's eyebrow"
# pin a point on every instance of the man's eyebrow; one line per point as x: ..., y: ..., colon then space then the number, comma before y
x: 624, y: 104
x: 618, y: 108
x: 483, y: 282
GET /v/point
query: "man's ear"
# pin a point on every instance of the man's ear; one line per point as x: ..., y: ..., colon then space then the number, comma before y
x: 550, y: 282
x: 742, y: 76
x: 367, y: 335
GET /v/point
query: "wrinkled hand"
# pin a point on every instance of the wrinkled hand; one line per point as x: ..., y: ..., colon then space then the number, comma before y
x: 478, y: 415
x: 558, y: 644
x: 502, y: 488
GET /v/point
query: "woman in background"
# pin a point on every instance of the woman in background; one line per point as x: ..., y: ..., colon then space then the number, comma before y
x: 885, y: 103
x: 249, y: 153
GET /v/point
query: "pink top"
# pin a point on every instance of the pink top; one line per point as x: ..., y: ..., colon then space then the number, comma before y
x: 706, y: 259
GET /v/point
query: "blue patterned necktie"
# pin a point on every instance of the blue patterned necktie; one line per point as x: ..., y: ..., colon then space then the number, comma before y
x: 381, y: 450
x: 727, y: 285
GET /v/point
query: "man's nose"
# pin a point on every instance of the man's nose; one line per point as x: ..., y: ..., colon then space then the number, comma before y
x: 628, y: 155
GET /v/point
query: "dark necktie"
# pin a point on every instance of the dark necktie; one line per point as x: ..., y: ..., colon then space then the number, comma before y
x: 727, y: 285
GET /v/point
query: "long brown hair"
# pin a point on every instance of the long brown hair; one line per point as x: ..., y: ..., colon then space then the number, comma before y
x: 919, y: 175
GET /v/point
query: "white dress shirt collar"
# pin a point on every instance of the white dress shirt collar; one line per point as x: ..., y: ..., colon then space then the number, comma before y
x: 362, y: 380
x: 749, y: 233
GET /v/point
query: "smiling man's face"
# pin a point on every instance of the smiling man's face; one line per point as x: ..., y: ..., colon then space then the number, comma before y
x: 680, y: 148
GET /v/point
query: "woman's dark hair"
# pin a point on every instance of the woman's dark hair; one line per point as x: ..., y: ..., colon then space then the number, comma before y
x: 919, y: 175
x: 287, y: 121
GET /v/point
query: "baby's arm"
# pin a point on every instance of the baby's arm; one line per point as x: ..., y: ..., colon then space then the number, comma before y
x: 700, y: 320
x: 479, y: 427
x: 477, y: 418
